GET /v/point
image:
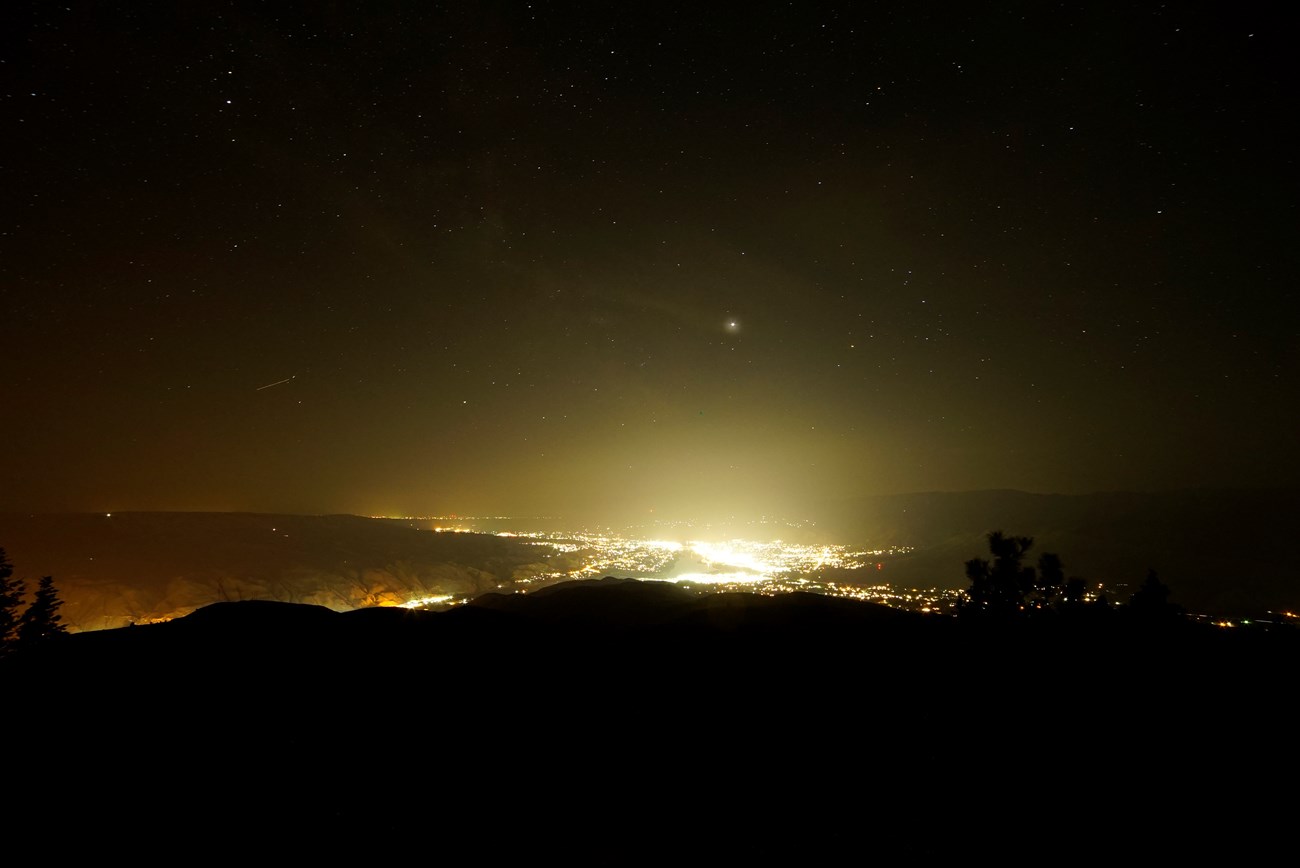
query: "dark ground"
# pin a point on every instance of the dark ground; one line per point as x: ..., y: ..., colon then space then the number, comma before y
x: 619, y: 722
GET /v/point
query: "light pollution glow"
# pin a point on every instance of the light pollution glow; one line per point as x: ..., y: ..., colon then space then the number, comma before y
x: 768, y: 565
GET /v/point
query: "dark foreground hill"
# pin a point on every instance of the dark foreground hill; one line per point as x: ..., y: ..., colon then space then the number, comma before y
x: 617, y: 722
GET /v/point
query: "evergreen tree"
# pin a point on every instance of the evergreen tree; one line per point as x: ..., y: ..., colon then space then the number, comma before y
x: 12, y: 592
x: 42, y: 619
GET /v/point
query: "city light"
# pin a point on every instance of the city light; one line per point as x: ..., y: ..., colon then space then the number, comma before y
x: 769, y: 568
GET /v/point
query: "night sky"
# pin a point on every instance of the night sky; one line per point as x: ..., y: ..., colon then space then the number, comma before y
x: 509, y: 258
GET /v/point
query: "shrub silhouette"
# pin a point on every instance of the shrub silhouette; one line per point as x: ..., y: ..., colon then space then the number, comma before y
x: 999, y: 588
x: 1151, y: 600
x: 1006, y: 587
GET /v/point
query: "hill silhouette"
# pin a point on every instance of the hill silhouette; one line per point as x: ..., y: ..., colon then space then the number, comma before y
x: 1223, y: 553
x: 804, y: 727
x: 259, y: 721
x: 499, y: 650
x: 141, y: 567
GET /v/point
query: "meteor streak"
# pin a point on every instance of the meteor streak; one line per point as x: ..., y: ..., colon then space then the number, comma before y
x: 276, y: 383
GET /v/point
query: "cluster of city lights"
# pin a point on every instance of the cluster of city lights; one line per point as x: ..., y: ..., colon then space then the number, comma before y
x: 770, y: 568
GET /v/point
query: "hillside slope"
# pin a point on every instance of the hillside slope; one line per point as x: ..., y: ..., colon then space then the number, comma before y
x: 144, y: 567
x: 646, y: 721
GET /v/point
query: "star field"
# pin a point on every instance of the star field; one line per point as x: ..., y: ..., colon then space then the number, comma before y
x: 562, y: 258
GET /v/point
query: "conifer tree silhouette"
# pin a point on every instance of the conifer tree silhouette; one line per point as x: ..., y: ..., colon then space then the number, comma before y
x: 42, y: 619
x: 12, y: 592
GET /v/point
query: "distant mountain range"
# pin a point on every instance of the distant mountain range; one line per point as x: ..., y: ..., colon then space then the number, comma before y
x: 1230, y: 552
x: 1220, y: 552
x: 123, y: 568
